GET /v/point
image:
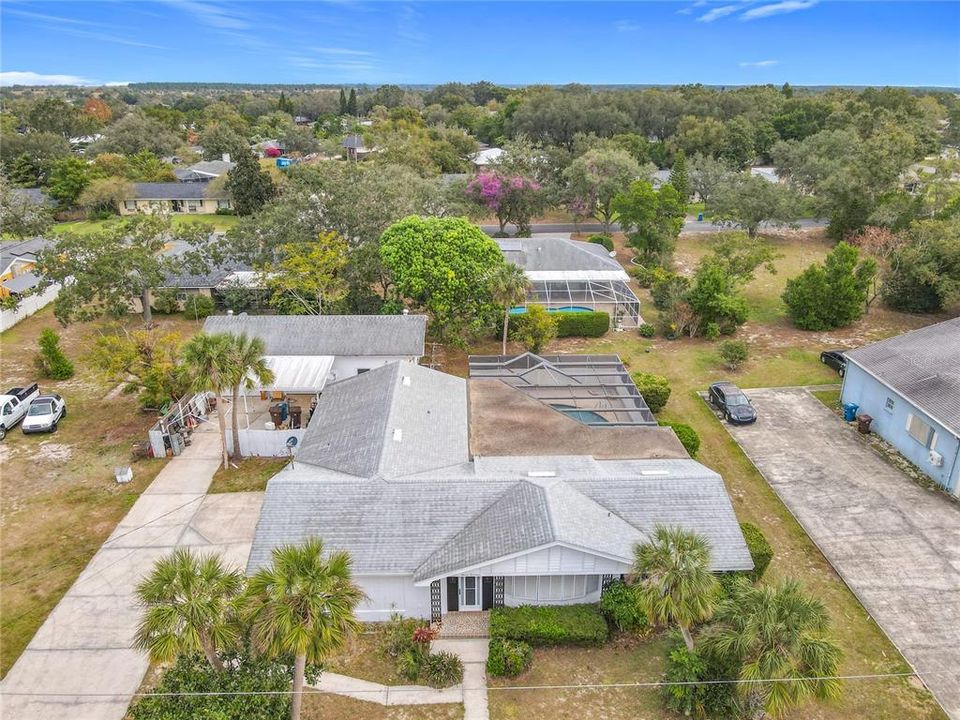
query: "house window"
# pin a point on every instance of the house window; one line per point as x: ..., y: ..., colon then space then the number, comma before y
x: 194, y: 205
x: 921, y: 431
x: 130, y: 204
x: 593, y: 583
x: 223, y: 204
x: 889, y: 405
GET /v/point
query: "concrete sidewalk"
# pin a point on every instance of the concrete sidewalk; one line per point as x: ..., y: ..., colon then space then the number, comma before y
x: 84, y: 646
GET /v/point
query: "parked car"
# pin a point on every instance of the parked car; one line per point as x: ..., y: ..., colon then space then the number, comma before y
x: 13, y: 406
x: 43, y: 414
x: 731, y: 401
x: 835, y: 359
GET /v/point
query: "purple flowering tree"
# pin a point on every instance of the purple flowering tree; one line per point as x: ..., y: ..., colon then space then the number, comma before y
x: 512, y: 198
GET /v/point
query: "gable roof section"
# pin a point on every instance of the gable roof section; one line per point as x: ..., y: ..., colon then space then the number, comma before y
x: 923, y: 366
x: 396, y: 420
x: 25, y: 250
x: 360, y: 335
x: 173, y: 191
x: 555, y: 253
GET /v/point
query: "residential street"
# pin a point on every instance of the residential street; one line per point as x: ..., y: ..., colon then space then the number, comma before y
x: 84, y: 646
x: 895, y: 544
x: 690, y: 227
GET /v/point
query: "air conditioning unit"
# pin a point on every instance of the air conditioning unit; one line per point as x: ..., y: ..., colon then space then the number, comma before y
x: 935, y: 458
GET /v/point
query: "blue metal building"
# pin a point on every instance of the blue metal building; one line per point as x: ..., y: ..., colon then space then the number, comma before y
x: 910, y: 386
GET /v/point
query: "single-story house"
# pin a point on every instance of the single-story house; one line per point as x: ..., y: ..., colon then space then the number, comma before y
x: 910, y: 386
x: 33, y: 196
x: 659, y: 178
x: 574, y: 276
x: 389, y: 471
x: 486, y: 157
x: 18, y: 258
x: 769, y: 174
x: 205, y: 170
x: 270, y: 148
x: 193, y: 198
x: 354, y: 147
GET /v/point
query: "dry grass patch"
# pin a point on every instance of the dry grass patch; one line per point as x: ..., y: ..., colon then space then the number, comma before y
x: 58, y: 497
x: 246, y: 475
x: 360, y: 658
x: 320, y: 706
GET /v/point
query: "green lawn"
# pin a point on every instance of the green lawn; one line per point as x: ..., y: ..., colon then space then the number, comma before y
x: 250, y: 475
x: 85, y: 227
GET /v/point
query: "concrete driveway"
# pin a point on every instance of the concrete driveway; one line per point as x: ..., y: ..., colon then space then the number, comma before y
x: 80, y: 665
x: 895, y: 544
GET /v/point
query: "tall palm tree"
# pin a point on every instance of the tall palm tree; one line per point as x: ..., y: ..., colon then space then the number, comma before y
x: 248, y: 369
x: 188, y: 607
x: 776, y: 632
x: 206, y: 358
x: 674, y: 582
x: 303, y: 605
x: 509, y: 285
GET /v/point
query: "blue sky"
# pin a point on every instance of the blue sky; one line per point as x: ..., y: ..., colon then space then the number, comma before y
x: 804, y: 42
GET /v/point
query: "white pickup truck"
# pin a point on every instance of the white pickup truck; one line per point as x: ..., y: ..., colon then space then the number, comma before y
x: 13, y: 406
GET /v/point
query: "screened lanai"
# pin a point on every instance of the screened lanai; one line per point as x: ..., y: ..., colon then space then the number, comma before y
x: 599, y: 290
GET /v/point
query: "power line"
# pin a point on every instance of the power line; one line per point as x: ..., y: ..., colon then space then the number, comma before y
x: 586, y: 686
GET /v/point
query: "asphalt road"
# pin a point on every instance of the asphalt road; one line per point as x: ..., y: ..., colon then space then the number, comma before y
x: 690, y: 227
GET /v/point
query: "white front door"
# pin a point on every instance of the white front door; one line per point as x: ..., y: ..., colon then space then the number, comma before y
x: 469, y: 592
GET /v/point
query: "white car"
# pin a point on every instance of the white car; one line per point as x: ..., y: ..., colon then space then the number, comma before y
x: 43, y: 414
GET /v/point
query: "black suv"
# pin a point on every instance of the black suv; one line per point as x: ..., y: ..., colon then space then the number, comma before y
x: 731, y: 401
x: 835, y: 359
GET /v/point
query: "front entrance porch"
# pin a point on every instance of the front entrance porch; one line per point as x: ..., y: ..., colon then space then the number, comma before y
x: 468, y: 624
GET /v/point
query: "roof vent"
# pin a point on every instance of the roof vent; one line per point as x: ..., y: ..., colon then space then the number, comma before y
x: 654, y: 472
x: 406, y: 381
x: 397, y: 434
x: 541, y: 473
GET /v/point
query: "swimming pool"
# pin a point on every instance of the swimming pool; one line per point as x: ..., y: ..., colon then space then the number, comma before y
x: 587, y: 417
x: 565, y: 308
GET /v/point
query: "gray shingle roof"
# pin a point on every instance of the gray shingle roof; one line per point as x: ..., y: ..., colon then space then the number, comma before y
x: 353, y: 142
x: 25, y: 250
x: 923, y: 366
x: 33, y: 195
x: 399, y: 419
x: 21, y: 283
x: 556, y: 253
x: 364, y: 335
x: 172, y: 191
x: 404, y: 527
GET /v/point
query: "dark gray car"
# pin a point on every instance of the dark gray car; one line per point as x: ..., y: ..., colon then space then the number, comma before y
x: 731, y: 401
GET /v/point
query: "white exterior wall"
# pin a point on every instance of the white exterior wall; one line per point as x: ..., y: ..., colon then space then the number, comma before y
x: 392, y: 593
x: 346, y: 366
x: 556, y: 560
x: 266, y: 443
x: 27, y: 307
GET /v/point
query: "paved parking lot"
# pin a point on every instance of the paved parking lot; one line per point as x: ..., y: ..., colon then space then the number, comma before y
x: 894, y: 543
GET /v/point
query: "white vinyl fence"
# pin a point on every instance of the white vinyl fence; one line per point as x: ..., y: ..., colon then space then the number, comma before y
x: 27, y: 307
x: 267, y: 443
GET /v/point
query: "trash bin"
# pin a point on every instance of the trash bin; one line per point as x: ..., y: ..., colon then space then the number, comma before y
x: 699, y: 217
x: 863, y: 423
x: 295, y: 416
x: 850, y: 411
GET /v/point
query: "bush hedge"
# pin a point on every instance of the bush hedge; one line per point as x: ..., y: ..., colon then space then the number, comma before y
x: 442, y: 669
x: 620, y: 607
x: 198, y: 306
x: 164, y: 301
x: 604, y: 240
x: 654, y: 388
x: 760, y: 549
x: 508, y: 658
x: 546, y: 625
x: 687, y: 436
x: 647, y: 330
x: 569, y: 324
x: 687, y: 667
x: 50, y: 360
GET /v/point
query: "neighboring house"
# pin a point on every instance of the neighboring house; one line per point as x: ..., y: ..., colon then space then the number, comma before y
x: 302, y: 121
x: 769, y: 174
x: 915, y: 177
x: 17, y: 261
x: 659, y: 178
x: 486, y: 157
x: 354, y: 148
x: 910, y: 386
x: 574, y: 276
x: 306, y: 352
x: 270, y: 148
x: 35, y: 196
x: 205, y: 170
x: 193, y: 198
x: 409, y: 471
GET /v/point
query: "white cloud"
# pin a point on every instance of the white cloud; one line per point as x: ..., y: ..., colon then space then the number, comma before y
x: 627, y: 26
x: 214, y: 15
x: 18, y: 77
x: 780, y: 8
x: 718, y: 12
x: 759, y: 63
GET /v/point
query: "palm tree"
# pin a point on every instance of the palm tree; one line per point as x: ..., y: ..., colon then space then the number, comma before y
x: 188, y: 601
x: 776, y: 632
x: 303, y: 605
x: 509, y: 285
x: 247, y: 368
x: 206, y: 360
x: 674, y: 583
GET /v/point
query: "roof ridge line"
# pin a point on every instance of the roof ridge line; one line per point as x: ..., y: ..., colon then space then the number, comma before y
x: 394, y: 391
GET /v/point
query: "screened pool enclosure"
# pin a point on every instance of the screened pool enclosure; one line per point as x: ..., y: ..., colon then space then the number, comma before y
x: 603, y: 291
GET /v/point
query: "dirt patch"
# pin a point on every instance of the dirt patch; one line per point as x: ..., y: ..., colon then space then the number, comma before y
x: 53, y: 453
